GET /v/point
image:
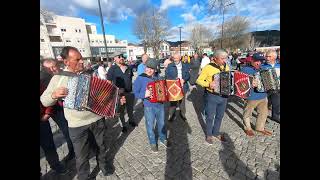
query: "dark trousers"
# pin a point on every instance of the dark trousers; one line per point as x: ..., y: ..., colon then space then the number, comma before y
x: 82, y: 146
x: 215, y: 107
x: 62, y: 123
x: 47, y: 144
x: 173, y: 107
x: 275, y: 102
x: 128, y: 106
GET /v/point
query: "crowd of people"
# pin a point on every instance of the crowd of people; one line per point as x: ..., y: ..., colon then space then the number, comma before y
x: 194, y: 72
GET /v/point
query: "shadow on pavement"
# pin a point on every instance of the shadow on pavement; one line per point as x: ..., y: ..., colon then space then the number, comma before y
x: 233, y: 166
x: 115, y: 138
x: 178, y: 165
x: 196, y: 97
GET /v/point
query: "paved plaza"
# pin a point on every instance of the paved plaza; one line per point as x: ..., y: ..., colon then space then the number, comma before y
x: 190, y: 157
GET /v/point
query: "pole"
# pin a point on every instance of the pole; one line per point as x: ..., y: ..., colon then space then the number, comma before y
x: 104, y: 36
x: 180, y: 39
x: 223, y: 8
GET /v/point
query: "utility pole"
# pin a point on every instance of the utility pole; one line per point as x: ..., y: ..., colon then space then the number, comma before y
x: 180, y: 39
x: 223, y: 8
x: 104, y: 36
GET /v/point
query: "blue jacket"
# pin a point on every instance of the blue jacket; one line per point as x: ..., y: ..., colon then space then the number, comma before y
x: 172, y: 74
x: 141, y: 69
x: 267, y: 66
x: 139, y: 90
x: 253, y: 94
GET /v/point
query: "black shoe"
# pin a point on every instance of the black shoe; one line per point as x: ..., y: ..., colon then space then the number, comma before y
x: 124, y: 129
x: 133, y: 124
x: 70, y: 156
x: 172, y: 118
x: 60, y: 169
x: 109, y: 170
x: 154, y: 148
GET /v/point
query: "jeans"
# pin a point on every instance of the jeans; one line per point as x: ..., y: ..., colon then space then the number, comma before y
x: 275, y: 101
x: 62, y: 123
x: 80, y: 139
x: 151, y: 115
x: 214, y: 112
x: 128, y: 106
x: 47, y: 144
x: 262, y: 109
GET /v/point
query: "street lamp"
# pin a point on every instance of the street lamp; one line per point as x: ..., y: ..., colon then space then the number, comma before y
x: 180, y: 39
x: 223, y: 8
x: 104, y: 36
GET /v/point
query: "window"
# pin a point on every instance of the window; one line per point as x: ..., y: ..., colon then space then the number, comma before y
x: 68, y: 40
x: 83, y: 50
x: 63, y: 30
x: 79, y: 30
x: 92, y: 41
x: 100, y: 41
x: 97, y: 41
x: 78, y: 41
x: 42, y: 40
x: 110, y: 41
x: 166, y: 47
x: 76, y: 30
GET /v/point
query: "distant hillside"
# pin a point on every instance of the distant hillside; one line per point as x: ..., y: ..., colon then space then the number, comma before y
x: 267, y: 38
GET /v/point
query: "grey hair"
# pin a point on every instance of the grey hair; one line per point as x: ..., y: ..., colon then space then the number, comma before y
x: 273, y: 52
x: 219, y: 53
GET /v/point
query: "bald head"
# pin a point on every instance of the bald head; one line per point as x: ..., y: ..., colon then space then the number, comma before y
x: 144, y: 58
x: 50, y: 65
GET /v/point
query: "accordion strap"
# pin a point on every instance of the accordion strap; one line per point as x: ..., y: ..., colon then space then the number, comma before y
x: 218, y: 67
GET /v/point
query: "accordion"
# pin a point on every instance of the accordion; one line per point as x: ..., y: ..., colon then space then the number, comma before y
x: 232, y: 83
x: 165, y: 90
x: 268, y: 80
x: 91, y: 93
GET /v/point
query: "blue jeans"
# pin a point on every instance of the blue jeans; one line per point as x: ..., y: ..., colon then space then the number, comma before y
x: 151, y: 115
x: 214, y: 111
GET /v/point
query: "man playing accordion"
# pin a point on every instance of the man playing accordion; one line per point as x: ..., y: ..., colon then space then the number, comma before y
x: 214, y: 103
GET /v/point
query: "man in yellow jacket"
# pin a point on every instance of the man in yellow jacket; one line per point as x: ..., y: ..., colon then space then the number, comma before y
x: 214, y: 103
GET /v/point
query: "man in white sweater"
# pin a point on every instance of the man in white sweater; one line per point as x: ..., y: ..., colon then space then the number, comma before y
x: 81, y: 123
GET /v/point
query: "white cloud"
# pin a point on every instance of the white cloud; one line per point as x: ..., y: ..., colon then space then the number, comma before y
x: 188, y: 17
x: 112, y: 10
x: 195, y: 9
x: 165, y: 4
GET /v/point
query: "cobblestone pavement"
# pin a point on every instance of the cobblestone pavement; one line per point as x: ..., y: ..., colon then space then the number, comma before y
x: 190, y: 156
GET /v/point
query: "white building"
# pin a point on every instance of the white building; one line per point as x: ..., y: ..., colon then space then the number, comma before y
x: 134, y: 51
x: 60, y: 31
x: 164, y: 49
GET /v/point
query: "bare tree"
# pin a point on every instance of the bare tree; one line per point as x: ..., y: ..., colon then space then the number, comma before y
x: 235, y: 31
x: 151, y: 27
x: 200, y: 37
x: 251, y: 42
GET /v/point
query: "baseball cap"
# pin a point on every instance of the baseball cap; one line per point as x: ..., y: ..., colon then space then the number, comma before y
x: 258, y: 57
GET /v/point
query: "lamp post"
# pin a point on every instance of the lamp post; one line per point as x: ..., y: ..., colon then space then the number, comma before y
x: 104, y: 36
x: 180, y: 39
x: 223, y: 8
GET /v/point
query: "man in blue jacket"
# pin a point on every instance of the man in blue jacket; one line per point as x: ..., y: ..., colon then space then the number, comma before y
x: 152, y: 111
x: 180, y: 70
x: 274, y: 96
x: 255, y: 100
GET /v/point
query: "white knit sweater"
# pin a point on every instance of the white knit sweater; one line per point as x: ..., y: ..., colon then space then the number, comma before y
x: 75, y: 118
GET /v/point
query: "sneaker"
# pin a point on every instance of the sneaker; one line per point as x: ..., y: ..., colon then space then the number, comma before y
x: 133, y: 124
x: 171, y: 118
x: 109, y: 170
x: 60, y: 169
x: 183, y: 117
x: 209, y: 140
x: 124, y: 129
x: 166, y: 144
x: 154, y: 148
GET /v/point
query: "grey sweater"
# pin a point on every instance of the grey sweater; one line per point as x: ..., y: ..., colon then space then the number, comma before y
x: 75, y: 118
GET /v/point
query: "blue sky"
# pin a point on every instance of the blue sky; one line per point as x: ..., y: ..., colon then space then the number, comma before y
x: 119, y: 14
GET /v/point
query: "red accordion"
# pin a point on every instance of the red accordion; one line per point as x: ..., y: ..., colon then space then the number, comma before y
x: 165, y: 90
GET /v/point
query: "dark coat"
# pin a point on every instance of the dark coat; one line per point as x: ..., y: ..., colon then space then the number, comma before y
x: 172, y: 73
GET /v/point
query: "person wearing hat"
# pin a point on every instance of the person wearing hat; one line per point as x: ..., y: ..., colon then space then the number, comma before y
x: 121, y: 75
x: 152, y: 111
x: 257, y: 100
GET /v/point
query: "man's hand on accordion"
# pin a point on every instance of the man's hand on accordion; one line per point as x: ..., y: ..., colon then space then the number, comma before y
x: 148, y: 93
x: 211, y: 85
x: 61, y: 92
